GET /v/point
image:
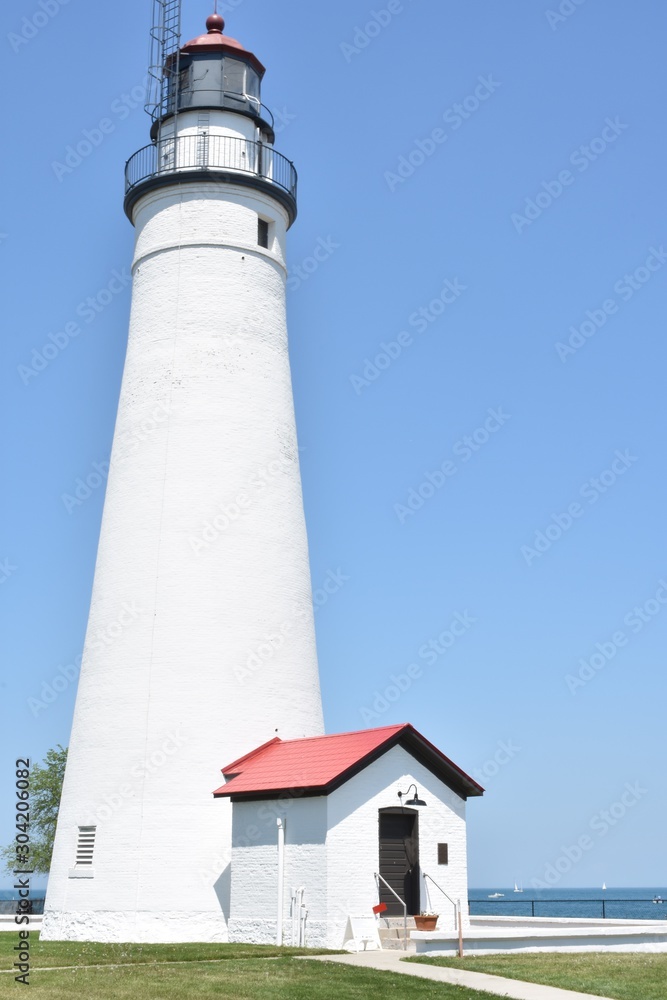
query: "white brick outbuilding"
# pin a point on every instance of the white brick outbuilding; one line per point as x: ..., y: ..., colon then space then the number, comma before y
x: 315, y: 821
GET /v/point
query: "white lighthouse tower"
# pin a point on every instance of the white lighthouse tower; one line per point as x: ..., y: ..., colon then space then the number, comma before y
x: 200, y: 642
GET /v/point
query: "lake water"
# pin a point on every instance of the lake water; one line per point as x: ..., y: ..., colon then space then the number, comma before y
x: 619, y: 904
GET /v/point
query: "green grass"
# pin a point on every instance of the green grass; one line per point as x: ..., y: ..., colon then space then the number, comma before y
x: 226, y: 972
x: 61, y: 953
x: 620, y: 977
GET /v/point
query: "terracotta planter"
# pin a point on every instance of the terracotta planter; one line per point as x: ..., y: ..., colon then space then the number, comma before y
x: 426, y: 923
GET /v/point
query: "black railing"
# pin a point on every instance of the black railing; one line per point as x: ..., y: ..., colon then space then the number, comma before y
x: 211, y: 153
x: 653, y: 909
x: 190, y: 99
x: 10, y: 906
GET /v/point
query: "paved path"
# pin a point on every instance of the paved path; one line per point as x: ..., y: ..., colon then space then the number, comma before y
x: 390, y: 961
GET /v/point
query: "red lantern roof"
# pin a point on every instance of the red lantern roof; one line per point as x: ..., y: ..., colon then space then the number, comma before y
x: 216, y: 41
x: 320, y: 764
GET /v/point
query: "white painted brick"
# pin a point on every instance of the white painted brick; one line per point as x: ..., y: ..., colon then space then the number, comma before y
x: 208, y: 344
x: 332, y: 849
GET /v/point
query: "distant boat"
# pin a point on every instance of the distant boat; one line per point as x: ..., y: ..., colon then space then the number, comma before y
x: 604, y: 886
x: 516, y: 888
x: 496, y: 895
x: 657, y: 899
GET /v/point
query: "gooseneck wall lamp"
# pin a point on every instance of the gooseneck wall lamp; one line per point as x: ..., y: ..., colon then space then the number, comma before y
x: 414, y: 801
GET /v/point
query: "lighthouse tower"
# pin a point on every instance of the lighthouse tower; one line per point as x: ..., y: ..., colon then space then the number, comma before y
x: 200, y: 642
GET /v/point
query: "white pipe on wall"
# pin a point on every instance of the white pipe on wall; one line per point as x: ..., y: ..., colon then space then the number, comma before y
x: 293, y: 915
x: 281, y: 879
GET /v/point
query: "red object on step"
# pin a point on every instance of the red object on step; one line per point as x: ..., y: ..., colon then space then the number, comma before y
x: 380, y: 908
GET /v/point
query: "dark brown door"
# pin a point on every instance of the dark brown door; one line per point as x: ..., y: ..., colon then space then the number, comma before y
x: 399, y: 860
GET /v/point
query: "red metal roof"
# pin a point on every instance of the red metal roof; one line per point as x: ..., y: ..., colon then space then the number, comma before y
x: 215, y: 41
x: 317, y: 765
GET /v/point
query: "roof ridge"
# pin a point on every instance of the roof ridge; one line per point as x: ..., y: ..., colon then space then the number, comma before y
x: 351, y: 732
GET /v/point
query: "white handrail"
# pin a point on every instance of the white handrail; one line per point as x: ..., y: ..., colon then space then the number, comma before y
x: 378, y: 879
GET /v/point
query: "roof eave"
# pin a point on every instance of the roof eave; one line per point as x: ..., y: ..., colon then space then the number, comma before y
x: 433, y: 759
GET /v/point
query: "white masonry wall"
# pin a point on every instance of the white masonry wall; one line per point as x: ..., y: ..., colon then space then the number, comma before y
x: 254, y: 896
x: 353, y: 854
x: 332, y: 850
x: 200, y: 642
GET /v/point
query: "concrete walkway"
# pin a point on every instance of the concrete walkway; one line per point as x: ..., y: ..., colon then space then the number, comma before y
x: 390, y: 961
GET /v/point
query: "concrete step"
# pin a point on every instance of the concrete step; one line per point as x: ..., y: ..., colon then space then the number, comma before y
x: 397, y: 944
x: 393, y: 937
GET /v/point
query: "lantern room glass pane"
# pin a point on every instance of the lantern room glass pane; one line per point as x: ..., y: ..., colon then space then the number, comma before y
x: 234, y: 77
x: 252, y: 84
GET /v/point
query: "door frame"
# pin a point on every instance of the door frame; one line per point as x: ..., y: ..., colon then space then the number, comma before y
x: 413, y: 895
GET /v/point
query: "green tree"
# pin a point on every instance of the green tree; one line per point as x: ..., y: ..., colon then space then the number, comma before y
x: 46, y: 782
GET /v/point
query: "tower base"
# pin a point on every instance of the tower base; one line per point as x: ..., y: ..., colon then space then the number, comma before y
x: 143, y: 927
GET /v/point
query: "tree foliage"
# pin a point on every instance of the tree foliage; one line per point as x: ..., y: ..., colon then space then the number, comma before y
x: 46, y: 782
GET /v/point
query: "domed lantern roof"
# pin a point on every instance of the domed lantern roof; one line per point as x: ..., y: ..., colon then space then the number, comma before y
x: 216, y: 41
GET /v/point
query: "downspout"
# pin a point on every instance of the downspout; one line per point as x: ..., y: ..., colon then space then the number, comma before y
x: 281, y: 879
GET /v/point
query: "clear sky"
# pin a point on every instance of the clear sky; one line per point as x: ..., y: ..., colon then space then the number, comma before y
x: 484, y: 184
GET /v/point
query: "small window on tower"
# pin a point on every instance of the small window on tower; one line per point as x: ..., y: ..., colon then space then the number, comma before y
x: 85, y: 845
x: 263, y: 233
x: 443, y: 854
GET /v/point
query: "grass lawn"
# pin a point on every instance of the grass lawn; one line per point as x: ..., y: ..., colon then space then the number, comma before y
x: 621, y: 977
x: 236, y: 973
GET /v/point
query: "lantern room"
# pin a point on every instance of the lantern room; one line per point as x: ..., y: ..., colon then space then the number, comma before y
x: 215, y: 72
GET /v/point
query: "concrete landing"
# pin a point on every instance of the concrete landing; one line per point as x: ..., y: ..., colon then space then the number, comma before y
x: 507, y: 935
x: 388, y: 961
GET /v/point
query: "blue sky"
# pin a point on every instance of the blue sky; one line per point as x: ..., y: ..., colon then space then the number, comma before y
x: 478, y: 367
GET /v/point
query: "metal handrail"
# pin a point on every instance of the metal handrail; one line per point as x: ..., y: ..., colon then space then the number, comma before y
x: 211, y: 152
x: 455, y: 905
x: 378, y: 879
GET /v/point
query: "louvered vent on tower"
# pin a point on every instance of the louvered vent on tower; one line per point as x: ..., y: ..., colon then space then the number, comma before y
x: 85, y: 845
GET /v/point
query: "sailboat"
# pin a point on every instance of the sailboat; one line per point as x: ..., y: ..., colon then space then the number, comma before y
x: 604, y: 886
x: 516, y: 888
